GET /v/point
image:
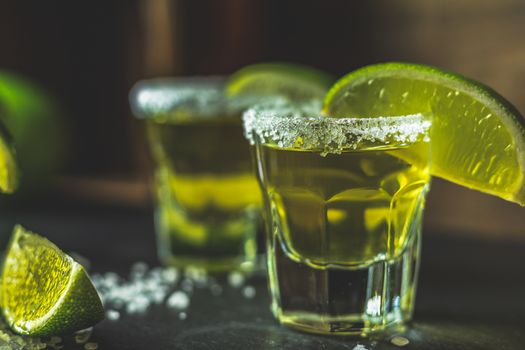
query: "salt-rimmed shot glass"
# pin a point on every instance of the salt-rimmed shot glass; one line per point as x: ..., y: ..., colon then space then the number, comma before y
x: 208, y: 201
x: 343, y: 200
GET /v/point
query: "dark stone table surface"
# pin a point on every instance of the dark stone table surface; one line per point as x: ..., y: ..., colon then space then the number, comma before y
x: 471, y: 293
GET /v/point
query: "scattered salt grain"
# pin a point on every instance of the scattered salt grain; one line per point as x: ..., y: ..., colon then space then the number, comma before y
x: 359, y: 347
x: 144, y: 288
x: 148, y: 287
x: 157, y: 297
x: 83, y: 336
x: 248, y: 292
x: 138, y: 305
x: 236, y: 279
x: 182, y: 316
x: 178, y: 300
x: 111, y: 278
x: 170, y: 275
x: 399, y: 341
x: 91, y: 346
x: 112, y: 315
x: 198, y: 276
x: 187, y: 285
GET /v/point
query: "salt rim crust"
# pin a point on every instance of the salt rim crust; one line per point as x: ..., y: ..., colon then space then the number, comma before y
x: 303, y: 127
x: 202, y: 97
x: 152, y: 98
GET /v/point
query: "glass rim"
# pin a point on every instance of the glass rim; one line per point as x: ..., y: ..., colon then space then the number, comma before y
x: 191, y: 96
x: 304, y: 126
x: 161, y: 96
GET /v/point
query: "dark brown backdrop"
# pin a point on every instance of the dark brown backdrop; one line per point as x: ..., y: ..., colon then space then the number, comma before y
x: 88, y: 54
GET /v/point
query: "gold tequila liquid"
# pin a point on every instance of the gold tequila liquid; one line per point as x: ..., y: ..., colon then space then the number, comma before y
x: 344, y: 234
x: 208, y: 198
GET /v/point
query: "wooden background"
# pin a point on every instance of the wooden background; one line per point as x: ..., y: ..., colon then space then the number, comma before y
x: 89, y: 54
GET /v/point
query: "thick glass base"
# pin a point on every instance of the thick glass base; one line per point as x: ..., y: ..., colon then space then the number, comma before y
x: 360, y: 301
x: 344, y: 326
x: 213, y: 246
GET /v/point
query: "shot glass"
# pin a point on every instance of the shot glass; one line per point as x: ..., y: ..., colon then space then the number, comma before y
x: 207, y: 197
x: 343, y: 205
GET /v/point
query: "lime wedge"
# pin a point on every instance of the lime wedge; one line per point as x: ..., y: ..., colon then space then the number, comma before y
x: 44, y: 291
x: 477, y: 137
x: 33, y: 119
x: 296, y: 82
x: 8, y: 164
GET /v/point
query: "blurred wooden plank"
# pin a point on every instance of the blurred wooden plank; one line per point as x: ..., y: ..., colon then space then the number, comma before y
x: 452, y: 208
x: 480, y: 39
x: 119, y: 191
x: 161, y: 44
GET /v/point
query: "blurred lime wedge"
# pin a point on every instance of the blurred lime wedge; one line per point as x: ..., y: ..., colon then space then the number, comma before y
x: 478, y: 138
x: 33, y: 119
x: 296, y: 82
x: 44, y: 291
x: 8, y: 164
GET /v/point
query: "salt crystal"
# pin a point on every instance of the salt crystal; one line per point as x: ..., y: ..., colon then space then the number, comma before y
x: 182, y: 316
x: 150, y: 285
x: 157, y: 297
x: 91, y: 346
x: 138, y: 305
x: 399, y: 341
x: 113, y: 315
x: 83, y: 336
x: 197, y: 275
x: 373, y: 306
x: 359, y: 347
x: 170, y: 275
x: 178, y: 300
x: 236, y: 279
x: 187, y: 285
x: 110, y: 279
x: 248, y: 292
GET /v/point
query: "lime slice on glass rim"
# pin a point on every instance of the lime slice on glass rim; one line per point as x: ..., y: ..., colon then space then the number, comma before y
x: 296, y: 82
x: 477, y: 137
x: 44, y: 291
